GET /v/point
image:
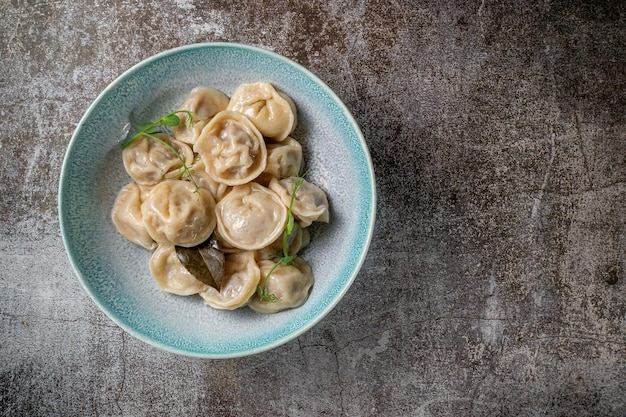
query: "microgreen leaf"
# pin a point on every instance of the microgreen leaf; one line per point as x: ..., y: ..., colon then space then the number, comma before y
x: 173, y: 119
x: 145, y: 127
x: 170, y: 120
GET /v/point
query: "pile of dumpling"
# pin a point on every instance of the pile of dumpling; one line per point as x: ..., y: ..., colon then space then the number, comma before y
x: 240, y: 153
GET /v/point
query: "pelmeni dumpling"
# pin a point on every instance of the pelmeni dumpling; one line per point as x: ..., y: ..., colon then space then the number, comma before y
x: 176, y: 213
x: 310, y: 203
x: 232, y: 148
x: 250, y: 217
x: 284, y: 159
x: 203, y: 103
x: 290, y: 283
x: 272, y: 112
x: 171, y: 275
x: 126, y: 216
x: 239, y: 283
x: 149, y: 161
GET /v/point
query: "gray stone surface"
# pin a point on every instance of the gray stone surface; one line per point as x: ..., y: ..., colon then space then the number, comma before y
x: 495, y: 282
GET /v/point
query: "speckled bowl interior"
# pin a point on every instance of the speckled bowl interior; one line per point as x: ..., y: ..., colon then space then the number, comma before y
x: 115, y: 272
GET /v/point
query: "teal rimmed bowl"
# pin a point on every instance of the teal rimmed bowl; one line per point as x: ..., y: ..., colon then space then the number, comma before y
x: 115, y: 273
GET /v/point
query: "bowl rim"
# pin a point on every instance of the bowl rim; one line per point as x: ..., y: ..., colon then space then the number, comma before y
x: 112, y: 314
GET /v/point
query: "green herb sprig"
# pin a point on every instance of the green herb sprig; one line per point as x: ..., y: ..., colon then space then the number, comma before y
x: 151, y: 129
x: 286, y: 259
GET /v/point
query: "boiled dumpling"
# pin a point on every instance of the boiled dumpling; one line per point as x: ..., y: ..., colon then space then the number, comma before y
x: 171, y: 275
x: 178, y: 213
x: 149, y: 161
x: 250, y: 217
x: 203, y: 103
x: 290, y: 283
x: 232, y: 148
x: 310, y: 203
x: 284, y: 159
x: 126, y: 216
x: 239, y: 283
x: 272, y: 112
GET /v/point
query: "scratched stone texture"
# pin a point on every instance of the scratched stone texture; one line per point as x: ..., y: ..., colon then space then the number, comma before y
x: 495, y: 281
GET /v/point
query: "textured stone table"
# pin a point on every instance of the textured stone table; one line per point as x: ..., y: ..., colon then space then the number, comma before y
x: 495, y: 282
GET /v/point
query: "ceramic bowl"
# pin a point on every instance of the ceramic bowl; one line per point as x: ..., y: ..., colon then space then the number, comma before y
x: 115, y: 273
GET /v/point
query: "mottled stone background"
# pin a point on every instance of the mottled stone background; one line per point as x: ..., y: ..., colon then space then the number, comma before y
x: 495, y: 283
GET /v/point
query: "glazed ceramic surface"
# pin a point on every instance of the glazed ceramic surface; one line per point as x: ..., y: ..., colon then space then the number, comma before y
x: 115, y: 272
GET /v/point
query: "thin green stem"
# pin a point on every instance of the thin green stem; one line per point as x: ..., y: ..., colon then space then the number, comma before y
x: 286, y: 258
